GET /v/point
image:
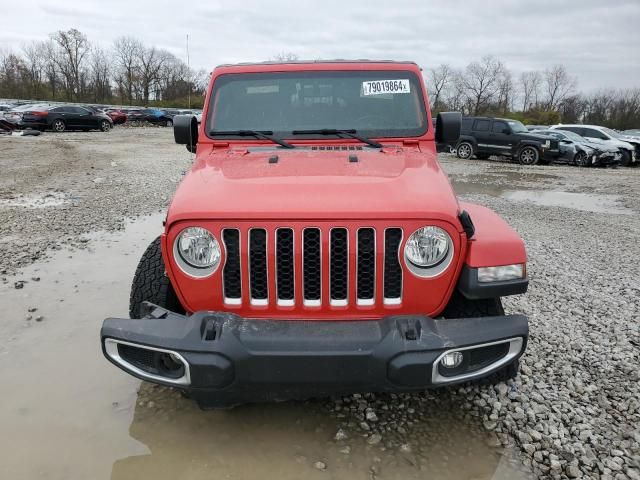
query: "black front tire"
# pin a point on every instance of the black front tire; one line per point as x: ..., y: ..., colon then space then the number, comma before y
x: 461, y: 307
x: 105, y: 126
x: 581, y: 159
x: 625, y: 161
x: 528, y: 156
x: 151, y: 284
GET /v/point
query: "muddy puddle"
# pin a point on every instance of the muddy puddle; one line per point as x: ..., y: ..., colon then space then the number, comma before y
x: 538, y: 189
x: 68, y: 414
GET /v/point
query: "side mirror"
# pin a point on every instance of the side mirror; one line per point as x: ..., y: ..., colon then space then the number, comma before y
x: 185, y: 131
x: 448, y: 126
x: 566, y: 141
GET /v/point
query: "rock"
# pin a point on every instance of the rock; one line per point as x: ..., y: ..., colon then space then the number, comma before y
x: 39, y: 318
x: 374, y: 439
x: 529, y: 448
x: 19, y: 284
x: 573, y: 471
x: 320, y: 466
x: 345, y: 450
x: 340, y: 435
x: 371, y: 416
x: 31, y: 309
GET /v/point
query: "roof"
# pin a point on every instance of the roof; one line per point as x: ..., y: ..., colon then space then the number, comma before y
x: 301, y: 62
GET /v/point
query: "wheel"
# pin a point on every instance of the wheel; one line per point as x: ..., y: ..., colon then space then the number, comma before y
x: 105, y: 126
x: 464, y: 150
x: 528, y: 156
x: 461, y: 307
x: 58, y: 125
x: 482, y: 156
x: 625, y: 161
x: 168, y: 123
x: 150, y: 283
x: 581, y: 159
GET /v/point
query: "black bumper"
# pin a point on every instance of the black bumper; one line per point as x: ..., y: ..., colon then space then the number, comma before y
x: 231, y: 360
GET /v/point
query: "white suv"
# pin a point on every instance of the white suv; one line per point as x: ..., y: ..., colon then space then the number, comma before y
x: 629, y: 148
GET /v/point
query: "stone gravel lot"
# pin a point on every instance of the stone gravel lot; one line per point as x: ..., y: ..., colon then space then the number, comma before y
x: 574, y: 411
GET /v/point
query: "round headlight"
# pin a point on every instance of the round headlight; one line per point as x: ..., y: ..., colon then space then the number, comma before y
x: 198, y: 248
x: 427, y: 247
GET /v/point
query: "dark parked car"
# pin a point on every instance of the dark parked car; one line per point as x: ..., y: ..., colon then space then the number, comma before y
x: 578, y: 150
x: 151, y: 115
x: 64, y: 117
x: 484, y: 136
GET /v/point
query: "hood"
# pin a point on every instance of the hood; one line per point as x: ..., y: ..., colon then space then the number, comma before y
x: 306, y: 183
x: 598, y: 144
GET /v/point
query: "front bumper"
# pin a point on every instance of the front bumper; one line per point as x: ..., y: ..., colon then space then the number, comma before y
x: 224, y: 360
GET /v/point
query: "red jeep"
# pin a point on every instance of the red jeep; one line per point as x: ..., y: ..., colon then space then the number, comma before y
x: 316, y: 247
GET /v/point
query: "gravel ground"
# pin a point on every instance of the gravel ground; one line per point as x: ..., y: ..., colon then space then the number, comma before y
x: 93, y: 180
x: 574, y: 411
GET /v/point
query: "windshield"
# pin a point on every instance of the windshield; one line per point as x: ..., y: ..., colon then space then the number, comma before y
x: 374, y: 103
x: 610, y: 132
x: 572, y: 135
x: 517, y: 127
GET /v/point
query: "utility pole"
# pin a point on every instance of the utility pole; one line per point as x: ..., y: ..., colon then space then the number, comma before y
x: 189, y: 73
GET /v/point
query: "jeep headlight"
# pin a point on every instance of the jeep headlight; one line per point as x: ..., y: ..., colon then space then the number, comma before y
x: 197, y: 251
x: 427, y: 251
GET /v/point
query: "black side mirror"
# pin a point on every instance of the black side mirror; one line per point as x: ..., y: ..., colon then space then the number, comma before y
x: 185, y: 131
x: 448, y: 126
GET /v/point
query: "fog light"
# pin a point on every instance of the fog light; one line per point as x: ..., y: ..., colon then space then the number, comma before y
x: 452, y: 360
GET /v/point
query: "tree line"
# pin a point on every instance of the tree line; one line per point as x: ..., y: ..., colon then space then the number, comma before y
x: 488, y: 87
x: 68, y: 67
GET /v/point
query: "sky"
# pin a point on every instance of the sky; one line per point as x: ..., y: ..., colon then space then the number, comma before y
x: 597, y: 40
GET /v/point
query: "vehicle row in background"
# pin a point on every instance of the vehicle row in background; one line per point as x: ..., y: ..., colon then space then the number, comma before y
x: 581, y: 145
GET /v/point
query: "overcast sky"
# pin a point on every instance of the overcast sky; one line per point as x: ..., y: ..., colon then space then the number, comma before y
x: 597, y: 40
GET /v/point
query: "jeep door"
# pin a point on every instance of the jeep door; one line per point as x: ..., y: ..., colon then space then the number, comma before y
x: 500, y: 137
x: 482, y: 132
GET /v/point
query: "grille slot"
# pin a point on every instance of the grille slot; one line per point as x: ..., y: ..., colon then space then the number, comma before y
x: 284, y: 266
x: 392, y: 268
x: 366, y: 266
x: 311, y: 266
x: 258, y: 266
x: 339, y: 266
x: 232, y: 284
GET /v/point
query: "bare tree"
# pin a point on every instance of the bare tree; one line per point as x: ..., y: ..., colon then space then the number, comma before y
x: 151, y: 62
x: 454, y: 97
x: 558, y: 85
x: 439, y: 79
x: 127, y: 52
x: 482, y: 82
x: 35, y: 63
x: 530, y: 89
x: 100, y: 74
x: 73, y: 48
x: 506, y: 92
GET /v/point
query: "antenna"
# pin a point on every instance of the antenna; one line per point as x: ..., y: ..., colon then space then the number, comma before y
x: 189, y: 70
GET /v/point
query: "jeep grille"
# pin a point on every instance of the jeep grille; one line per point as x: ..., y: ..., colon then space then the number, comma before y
x: 303, y: 267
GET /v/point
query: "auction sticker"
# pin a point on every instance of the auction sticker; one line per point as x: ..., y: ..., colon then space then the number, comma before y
x: 382, y: 87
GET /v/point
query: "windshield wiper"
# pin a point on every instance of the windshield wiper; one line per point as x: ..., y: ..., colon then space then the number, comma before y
x: 265, y: 134
x: 333, y: 131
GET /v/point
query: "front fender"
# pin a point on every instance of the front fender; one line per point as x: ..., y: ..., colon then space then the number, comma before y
x: 494, y: 242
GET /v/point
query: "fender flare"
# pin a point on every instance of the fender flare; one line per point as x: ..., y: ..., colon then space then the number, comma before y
x: 468, y: 138
x: 494, y: 242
